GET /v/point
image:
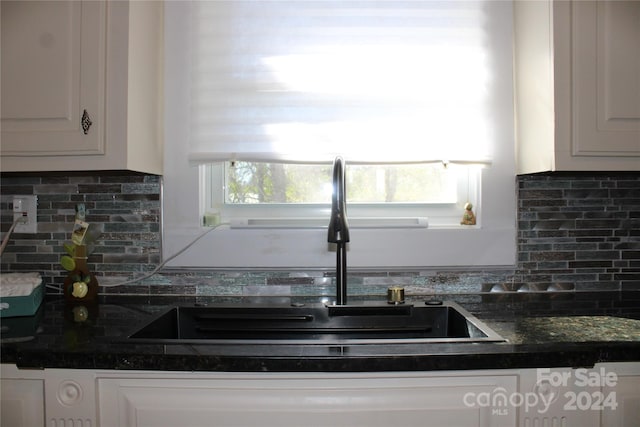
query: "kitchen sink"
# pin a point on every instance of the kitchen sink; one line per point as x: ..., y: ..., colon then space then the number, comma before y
x: 431, y: 321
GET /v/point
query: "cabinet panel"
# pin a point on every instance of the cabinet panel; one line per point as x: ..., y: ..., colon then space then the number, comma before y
x: 64, y: 57
x: 577, y: 72
x: 43, y: 42
x: 621, y: 391
x: 627, y: 396
x: 21, y: 402
x: 440, y: 401
x: 53, y: 59
x: 606, y: 78
x: 527, y: 398
x: 619, y: 27
x: 550, y: 392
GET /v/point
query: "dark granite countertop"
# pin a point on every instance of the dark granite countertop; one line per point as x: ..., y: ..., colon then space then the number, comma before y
x: 542, y: 330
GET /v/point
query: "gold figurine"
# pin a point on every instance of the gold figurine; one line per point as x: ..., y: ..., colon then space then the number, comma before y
x: 469, y: 217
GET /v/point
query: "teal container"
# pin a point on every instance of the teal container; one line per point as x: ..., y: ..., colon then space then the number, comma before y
x: 23, y: 305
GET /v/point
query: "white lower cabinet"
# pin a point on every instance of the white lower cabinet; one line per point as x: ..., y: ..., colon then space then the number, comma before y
x: 326, y: 399
x: 607, y: 395
x: 49, y: 397
x: 21, y: 398
x: 626, y: 392
x: 547, y: 396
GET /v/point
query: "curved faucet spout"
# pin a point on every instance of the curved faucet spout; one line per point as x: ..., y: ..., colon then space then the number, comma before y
x: 338, y: 224
x: 339, y: 229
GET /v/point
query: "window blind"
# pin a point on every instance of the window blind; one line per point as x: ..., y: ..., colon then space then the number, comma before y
x: 373, y: 81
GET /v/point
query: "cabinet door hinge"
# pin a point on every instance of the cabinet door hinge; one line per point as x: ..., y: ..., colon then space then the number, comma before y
x: 86, y: 122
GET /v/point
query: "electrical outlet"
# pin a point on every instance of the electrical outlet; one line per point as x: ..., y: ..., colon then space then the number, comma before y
x: 25, y: 208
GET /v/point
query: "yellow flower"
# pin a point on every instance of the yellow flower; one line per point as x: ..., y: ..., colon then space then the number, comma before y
x: 80, y: 289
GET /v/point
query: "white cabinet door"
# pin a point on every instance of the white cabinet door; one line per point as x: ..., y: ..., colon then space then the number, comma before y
x: 550, y: 396
x: 607, y: 395
x: 627, y: 397
x: 51, y: 397
x: 21, y: 403
x: 21, y: 398
x: 624, y: 393
x: 577, y: 85
x: 308, y: 400
x: 606, y: 78
x: 62, y: 58
x: 53, y: 56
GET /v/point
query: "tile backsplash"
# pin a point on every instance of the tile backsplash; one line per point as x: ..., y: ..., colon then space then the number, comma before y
x: 580, y: 229
x: 576, y: 231
x: 124, y: 206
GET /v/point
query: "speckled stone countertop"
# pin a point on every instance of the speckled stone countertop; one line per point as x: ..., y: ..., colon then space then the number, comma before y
x: 574, y: 329
x: 541, y: 330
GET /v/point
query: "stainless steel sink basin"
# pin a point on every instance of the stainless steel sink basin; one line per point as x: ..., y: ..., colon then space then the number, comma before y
x: 315, y: 324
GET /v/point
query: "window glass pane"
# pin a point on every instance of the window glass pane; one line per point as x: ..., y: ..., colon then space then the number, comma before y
x: 256, y: 182
x: 263, y: 183
x: 430, y: 183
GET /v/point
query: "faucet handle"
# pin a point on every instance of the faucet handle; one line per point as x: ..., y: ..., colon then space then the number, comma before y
x: 338, y: 224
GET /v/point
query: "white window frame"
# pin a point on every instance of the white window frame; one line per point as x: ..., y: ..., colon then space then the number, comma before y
x: 360, y: 214
x: 492, y: 244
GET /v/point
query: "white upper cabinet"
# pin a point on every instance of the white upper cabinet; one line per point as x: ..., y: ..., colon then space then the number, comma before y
x: 81, y: 85
x: 577, y: 85
x: 52, y: 71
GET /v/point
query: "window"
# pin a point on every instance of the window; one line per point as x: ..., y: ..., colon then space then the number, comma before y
x: 247, y: 183
x: 261, y: 194
x: 264, y: 83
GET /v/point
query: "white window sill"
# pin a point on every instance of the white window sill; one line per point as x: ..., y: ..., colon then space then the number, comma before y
x: 314, y: 223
